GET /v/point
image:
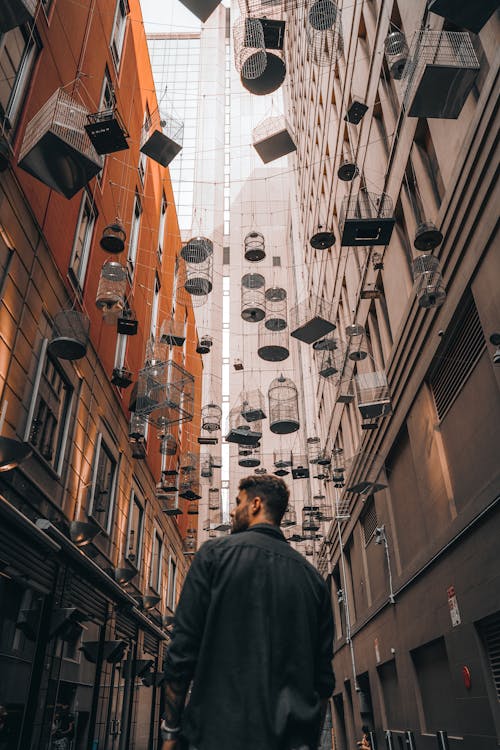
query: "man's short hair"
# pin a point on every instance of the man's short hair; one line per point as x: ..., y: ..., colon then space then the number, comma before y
x: 272, y: 490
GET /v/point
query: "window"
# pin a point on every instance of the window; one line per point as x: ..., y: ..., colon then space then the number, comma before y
x: 369, y: 520
x: 161, y: 228
x: 154, y: 307
x: 156, y: 558
x: 172, y: 583
x: 121, y: 347
x: 48, y: 418
x: 18, y: 50
x: 103, y: 487
x: 107, y: 100
x: 83, y: 240
x: 277, y: 261
x: 133, y: 551
x: 134, y: 232
x: 119, y: 28
x: 141, y: 167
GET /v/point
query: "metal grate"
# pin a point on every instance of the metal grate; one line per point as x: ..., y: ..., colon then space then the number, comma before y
x: 369, y: 519
x: 455, y: 363
x: 490, y: 630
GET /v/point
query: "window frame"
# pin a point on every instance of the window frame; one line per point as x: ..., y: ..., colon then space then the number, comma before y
x: 79, y: 276
x: 135, y: 228
x: 161, y: 227
x: 118, y: 32
x: 136, y: 499
x: 32, y: 45
x: 156, y: 551
x: 100, y: 441
x: 171, y: 583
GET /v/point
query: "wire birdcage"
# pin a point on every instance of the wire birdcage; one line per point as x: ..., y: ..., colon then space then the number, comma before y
x: 113, y: 238
x: 283, y: 406
x: 312, y: 319
x: 289, y: 517
x: 240, y: 431
x: 428, y: 281
x: 250, y: 56
x: 441, y: 70
x: 253, y: 305
x: 366, y: 219
x: 214, y: 501
x: 211, y: 417
x: 162, y: 138
x: 249, y: 457
x: 282, y: 461
x: 255, y: 247
x: 300, y: 466
x: 273, y: 345
x: 170, y: 504
x: 112, y: 287
x: 276, y: 308
x: 70, y: 335
x: 396, y: 53
x: 168, y: 444
x: 56, y: 149
x: 324, y: 32
x: 173, y: 332
x: 197, y: 277
x: 252, y: 405
x: 197, y: 250
x: 273, y: 138
x: 165, y: 393
x: 373, y: 395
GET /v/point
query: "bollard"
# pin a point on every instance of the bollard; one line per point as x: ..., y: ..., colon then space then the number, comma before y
x: 389, y: 740
x: 410, y: 740
x: 442, y: 739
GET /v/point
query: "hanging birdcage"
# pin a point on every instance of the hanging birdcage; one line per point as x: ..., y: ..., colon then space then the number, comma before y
x: 396, y: 54
x: 282, y: 463
x: 357, y: 345
x: 324, y: 32
x: 137, y: 428
x: 338, y: 468
x: 111, y: 290
x: 214, y: 498
x: 238, y: 364
x: 56, y: 149
x: 271, y: 78
x: 345, y: 393
x: 311, y: 319
x: 169, y: 504
x: 168, y: 444
x: 189, y: 462
x: 331, y: 363
x: 253, y: 306
x: 121, y: 377
x: 429, y: 288
x: 310, y: 520
x: 210, y: 417
x: 206, y: 466
x: 362, y: 473
x: 197, y: 278
x: 322, y: 240
x: 427, y: 237
x: 300, y: 467
x: 373, y: 395
x: 366, y: 219
x: 441, y: 70
x: 127, y: 323
x: 70, y: 335
x: 197, y: 250
x: 107, y: 131
x: 463, y: 14
x: 240, y: 431
x: 283, y: 406
x: 249, y: 457
x: 204, y: 344
x: 313, y: 449
x: 173, y: 332
x: 189, y: 543
x: 165, y: 393
x: 189, y: 489
x: 250, y: 56
x: 162, y: 138
x: 254, y: 247
x: 276, y: 313
x: 252, y: 405
x: 325, y: 508
x: 273, y: 345
x: 14, y: 13
x: 327, y: 344
x: 289, y: 517
x: 113, y: 238
x: 272, y: 138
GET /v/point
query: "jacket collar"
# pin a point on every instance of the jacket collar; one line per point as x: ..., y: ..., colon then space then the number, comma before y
x: 269, y: 529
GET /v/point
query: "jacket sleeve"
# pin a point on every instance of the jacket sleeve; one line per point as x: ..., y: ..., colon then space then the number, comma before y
x: 189, y: 623
x: 325, y: 675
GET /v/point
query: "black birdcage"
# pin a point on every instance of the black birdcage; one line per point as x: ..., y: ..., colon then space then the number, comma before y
x: 107, y: 131
x: 253, y: 304
x: 70, y: 335
x: 366, y: 219
x: 255, y: 247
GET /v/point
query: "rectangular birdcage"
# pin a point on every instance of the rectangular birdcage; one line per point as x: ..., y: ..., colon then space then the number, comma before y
x: 15, y: 13
x: 362, y: 472
x: 373, y: 395
x: 440, y: 73
x: 312, y: 319
x: 56, y: 149
x: 173, y: 332
x: 163, y: 141
x: 366, y: 219
x: 463, y: 13
x: 267, y: 8
x: 252, y: 405
x: 107, y: 131
x: 165, y: 393
x: 272, y: 138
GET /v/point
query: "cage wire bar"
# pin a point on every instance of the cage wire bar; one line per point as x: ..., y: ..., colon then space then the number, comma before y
x: 324, y: 32
x: 440, y: 72
x: 250, y: 56
x: 56, y: 148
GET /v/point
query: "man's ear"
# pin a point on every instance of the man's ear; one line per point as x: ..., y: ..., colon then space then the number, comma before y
x: 256, y: 505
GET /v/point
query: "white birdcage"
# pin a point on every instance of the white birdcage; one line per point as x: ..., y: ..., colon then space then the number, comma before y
x: 428, y: 281
x: 311, y: 319
x: 373, y: 395
x: 441, y: 70
x: 283, y: 406
x: 366, y: 219
x: 272, y: 138
x: 250, y: 56
x: 165, y: 393
x: 162, y: 138
x: 56, y: 149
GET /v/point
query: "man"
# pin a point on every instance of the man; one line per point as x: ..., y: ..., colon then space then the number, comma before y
x: 253, y: 632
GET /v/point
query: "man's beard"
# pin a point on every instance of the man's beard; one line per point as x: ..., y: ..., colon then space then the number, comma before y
x: 240, y: 523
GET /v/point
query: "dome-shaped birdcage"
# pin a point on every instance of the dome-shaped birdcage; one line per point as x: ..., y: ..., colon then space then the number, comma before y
x: 429, y: 288
x: 210, y: 417
x: 273, y: 345
x: 255, y: 247
x: 113, y: 238
x: 197, y: 250
x: 70, y: 335
x: 283, y: 406
x: 249, y: 457
x: 427, y: 237
x: 324, y: 32
x: 396, y: 54
x: 168, y: 444
x: 253, y: 305
x: 250, y: 56
x: 112, y: 287
x: 313, y: 449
